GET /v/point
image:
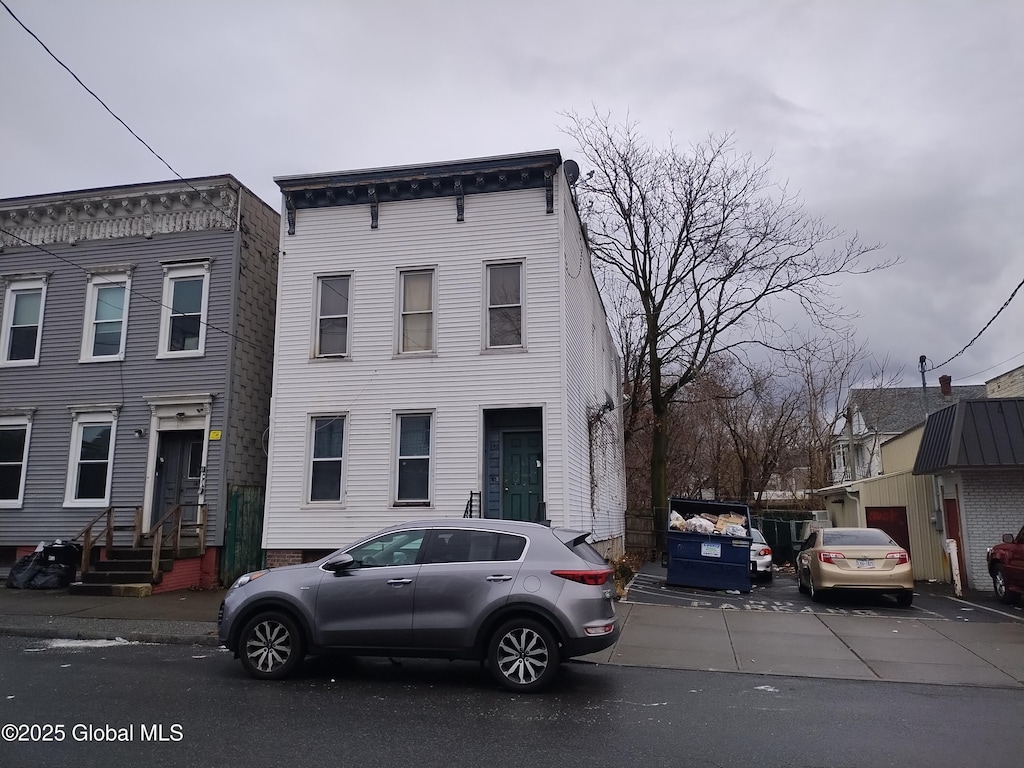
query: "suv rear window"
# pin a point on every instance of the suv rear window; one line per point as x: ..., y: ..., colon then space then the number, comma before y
x: 588, y: 553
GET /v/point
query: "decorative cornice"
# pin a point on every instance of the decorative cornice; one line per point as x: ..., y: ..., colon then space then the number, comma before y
x: 455, y: 179
x: 104, y: 215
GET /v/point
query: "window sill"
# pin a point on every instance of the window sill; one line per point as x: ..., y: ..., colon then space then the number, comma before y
x: 177, y: 355
x: 323, y: 506
x: 19, y: 363
x: 108, y: 359
x: 503, y: 350
x: 412, y: 355
x: 86, y: 503
x: 11, y: 504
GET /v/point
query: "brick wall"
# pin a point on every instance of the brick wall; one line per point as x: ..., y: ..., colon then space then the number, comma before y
x: 190, y: 572
x: 278, y: 557
x: 991, y: 504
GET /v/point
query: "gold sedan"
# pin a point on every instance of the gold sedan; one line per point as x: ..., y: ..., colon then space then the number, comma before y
x: 854, y: 558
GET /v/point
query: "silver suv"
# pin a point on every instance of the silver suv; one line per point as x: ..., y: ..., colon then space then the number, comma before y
x: 521, y: 596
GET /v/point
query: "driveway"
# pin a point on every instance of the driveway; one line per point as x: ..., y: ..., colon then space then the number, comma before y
x: 931, y: 601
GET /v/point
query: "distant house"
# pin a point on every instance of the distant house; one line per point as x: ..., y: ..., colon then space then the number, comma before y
x: 876, y: 415
x: 135, y: 363
x: 974, y: 450
x: 441, y: 350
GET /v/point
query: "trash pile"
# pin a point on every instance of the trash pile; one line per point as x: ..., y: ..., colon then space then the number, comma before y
x: 727, y: 524
x: 50, y: 566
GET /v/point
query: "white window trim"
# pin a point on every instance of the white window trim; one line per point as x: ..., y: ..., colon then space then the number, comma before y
x: 314, y: 350
x: 171, y: 273
x: 486, y: 340
x: 26, y: 422
x: 400, y: 311
x: 307, y: 488
x: 99, y: 280
x: 21, y: 283
x: 88, y: 415
x: 395, y: 458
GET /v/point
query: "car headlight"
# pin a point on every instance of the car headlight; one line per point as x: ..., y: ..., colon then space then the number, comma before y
x: 244, y: 579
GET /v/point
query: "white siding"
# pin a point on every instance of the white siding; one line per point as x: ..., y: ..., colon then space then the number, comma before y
x: 456, y: 384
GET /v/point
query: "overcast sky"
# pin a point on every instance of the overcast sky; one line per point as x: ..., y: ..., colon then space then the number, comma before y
x: 902, y: 120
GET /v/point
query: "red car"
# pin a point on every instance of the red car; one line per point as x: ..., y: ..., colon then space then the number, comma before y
x: 1006, y: 566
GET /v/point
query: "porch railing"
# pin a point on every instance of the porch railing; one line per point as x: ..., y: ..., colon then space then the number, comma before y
x: 107, y: 530
x: 473, y: 506
x: 178, y: 526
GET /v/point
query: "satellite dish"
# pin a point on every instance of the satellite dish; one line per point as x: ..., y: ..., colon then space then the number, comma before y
x: 572, y: 171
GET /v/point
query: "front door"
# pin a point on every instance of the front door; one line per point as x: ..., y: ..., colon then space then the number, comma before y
x: 522, y: 471
x: 179, y: 470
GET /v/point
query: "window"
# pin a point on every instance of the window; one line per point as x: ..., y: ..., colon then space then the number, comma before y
x: 332, y: 322
x: 23, y: 321
x: 413, y: 482
x: 399, y: 548
x: 504, y: 305
x: 416, y: 331
x: 106, y: 307
x: 327, y: 458
x: 14, y: 439
x: 186, y: 293
x: 92, y: 455
x: 461, y: 546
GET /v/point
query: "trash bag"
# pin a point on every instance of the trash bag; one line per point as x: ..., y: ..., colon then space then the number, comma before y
x: 52, y: 576
x: 25, y: 570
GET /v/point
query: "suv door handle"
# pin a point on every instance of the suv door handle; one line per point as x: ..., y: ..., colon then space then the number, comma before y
x: 399, y: 582
x: 499, y: 577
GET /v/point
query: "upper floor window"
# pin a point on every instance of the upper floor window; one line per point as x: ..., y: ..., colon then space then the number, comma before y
x: 21, y: 333
x: 504, y: 305
x: 185, y: 298
x: 14, y: 440
x: 413, y: 460
x: 327, y: 459
x: 332, y: 317
x: 416, y: 324
x: 91, y: 459
x: 106, y: 316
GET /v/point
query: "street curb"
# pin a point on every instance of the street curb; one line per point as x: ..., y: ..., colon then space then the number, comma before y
x: 52, y: 633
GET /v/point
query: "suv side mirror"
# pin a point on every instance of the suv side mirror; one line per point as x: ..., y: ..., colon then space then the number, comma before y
x: 1007, y: 538
x: 339, y: 565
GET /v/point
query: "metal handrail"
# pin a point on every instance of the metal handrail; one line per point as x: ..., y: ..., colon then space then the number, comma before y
x: 471, y: 507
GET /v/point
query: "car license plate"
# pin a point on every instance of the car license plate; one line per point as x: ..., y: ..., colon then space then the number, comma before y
x: 865, y: 563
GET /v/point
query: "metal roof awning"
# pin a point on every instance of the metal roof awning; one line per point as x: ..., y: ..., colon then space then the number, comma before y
x: 973, y: 434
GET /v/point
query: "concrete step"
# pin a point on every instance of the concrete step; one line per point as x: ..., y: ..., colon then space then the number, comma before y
x: 117, y: 577
x: 111, y: 590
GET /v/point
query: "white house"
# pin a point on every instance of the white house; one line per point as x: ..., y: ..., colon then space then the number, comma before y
x: 441, y: 349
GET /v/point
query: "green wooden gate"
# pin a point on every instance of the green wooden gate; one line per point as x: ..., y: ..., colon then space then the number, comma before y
x: 243, y: 536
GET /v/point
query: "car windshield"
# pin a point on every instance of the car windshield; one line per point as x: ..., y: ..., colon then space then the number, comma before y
x: 857, y: 537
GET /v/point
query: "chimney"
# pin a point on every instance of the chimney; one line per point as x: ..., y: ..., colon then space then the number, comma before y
x: 944, y: 386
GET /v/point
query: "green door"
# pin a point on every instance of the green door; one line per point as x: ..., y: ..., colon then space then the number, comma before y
x: 522, y: 472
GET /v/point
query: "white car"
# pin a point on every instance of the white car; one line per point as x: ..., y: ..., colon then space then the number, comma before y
x: 760, y: 556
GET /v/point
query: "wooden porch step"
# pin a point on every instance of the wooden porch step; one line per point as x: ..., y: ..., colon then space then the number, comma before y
x: 145, y: 553
x: 119, y: 577
x: 124, y: 564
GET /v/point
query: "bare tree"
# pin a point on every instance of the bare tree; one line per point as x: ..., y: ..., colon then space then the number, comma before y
x: 704, y: 240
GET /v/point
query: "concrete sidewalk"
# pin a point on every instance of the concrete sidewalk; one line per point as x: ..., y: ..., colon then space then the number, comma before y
x: 803, y: 645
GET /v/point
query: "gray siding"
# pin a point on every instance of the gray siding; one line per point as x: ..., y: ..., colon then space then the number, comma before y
x: 61, y: 380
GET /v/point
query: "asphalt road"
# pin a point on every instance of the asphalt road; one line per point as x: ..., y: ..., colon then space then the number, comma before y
x: 781, y: 595
x: 374, y: 714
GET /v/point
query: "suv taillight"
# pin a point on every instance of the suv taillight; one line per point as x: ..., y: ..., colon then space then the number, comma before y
x: 831, y: 557
x: 899, y: 557
x: 594, y: 578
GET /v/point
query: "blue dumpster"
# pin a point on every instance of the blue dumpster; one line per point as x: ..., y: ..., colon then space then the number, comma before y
x: 708, y: 560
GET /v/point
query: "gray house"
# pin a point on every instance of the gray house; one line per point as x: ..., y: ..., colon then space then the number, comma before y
x: 136, y: 343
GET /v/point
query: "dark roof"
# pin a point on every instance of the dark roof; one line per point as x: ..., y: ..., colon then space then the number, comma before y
x: 896, y: 409
x: 973, y: 434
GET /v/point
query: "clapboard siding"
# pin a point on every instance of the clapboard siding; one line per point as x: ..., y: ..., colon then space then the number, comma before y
x: 458, y: 383
x: 60, y: 380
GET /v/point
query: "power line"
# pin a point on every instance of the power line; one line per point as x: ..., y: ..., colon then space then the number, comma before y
x: 997, y: 365
x: 127, y: 127
x: 978, y: 335
x: 114, y: 282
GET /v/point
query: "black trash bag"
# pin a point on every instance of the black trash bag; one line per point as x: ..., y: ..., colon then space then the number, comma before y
x: 25, y: 570
x: 52, y: 576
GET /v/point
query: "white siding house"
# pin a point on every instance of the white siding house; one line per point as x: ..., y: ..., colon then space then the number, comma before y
x: 441, y: 349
